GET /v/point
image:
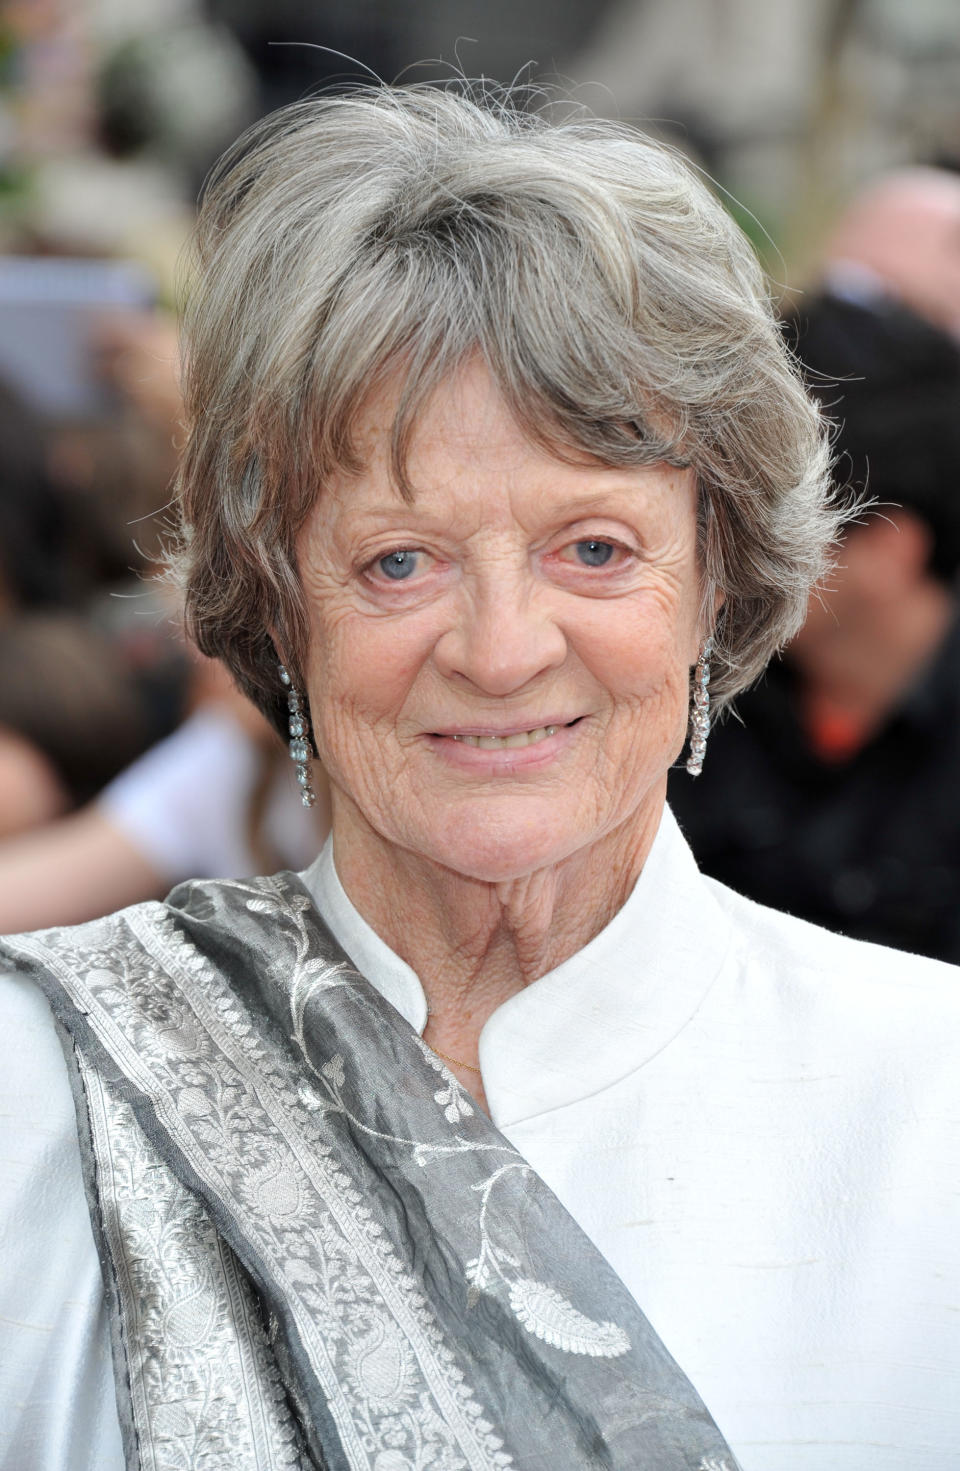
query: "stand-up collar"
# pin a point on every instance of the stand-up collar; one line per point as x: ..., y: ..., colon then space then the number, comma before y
x: 393, y: 978
x: 602, y: 1014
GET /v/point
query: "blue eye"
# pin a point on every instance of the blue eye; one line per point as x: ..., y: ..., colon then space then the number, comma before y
x: 594, y: 553
x: 398, y: 565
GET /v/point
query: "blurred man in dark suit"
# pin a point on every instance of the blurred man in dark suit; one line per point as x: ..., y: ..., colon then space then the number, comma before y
x: 838, y: 798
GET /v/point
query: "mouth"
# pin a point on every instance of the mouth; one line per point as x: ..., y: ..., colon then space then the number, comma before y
x: 514, y: 740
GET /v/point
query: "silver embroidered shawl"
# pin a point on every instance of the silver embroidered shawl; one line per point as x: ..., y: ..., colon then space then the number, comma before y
x: 318, y: 1252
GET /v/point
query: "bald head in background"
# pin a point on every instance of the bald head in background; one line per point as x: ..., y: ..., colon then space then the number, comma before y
x: 901, y: 237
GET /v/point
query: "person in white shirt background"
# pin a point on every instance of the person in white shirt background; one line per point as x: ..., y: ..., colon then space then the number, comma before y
x: 497, y: 479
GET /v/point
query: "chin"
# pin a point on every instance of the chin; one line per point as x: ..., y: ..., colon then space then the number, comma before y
x: 493, y: 848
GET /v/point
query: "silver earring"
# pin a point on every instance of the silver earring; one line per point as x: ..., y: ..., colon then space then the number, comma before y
x: 299, y: 739
x: 700, y: 714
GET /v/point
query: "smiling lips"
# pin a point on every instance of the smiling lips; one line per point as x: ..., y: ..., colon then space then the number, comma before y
x: 479, y: 739
x: 513, y: 742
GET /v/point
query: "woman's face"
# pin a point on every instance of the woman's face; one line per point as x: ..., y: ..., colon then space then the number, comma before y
x: 498, y: 672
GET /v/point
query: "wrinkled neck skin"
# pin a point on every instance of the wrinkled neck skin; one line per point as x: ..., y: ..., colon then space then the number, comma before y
x: 472, y: 943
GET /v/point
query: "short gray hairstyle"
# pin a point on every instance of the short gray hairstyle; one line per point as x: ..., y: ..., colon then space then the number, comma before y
x: 617, y: 305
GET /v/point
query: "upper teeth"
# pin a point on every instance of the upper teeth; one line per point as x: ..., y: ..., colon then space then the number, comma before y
x: 510, y: 742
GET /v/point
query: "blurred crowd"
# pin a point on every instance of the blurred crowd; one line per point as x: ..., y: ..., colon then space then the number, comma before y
x: 128, y: 763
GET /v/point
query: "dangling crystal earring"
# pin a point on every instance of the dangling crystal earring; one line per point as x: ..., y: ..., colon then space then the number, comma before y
x: 299, y: 739
x: 700, y: 714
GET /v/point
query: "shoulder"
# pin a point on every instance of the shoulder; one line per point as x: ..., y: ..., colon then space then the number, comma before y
x: 143, y: 950
x: 34, y: 1079
x: 189, y: 902
x: 46, y: 957
x: 796, y: 957
x: 53, y: 1325
x: 37, y: 1117
x: 31, y: 1058
x: 39, y: 1158
x: 52, y: 974
x: 880, y: 991
x: 803, y: 944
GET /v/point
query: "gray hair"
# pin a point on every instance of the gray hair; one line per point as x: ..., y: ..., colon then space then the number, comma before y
x: 617, y: 305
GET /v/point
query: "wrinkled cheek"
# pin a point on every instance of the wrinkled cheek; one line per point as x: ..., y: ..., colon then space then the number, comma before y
x: 655, y: 719
x: 675, y: 706
x: 358, y: 690
x: 350, y: 737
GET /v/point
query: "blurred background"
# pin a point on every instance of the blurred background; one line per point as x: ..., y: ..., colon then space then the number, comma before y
x: 831, y: 129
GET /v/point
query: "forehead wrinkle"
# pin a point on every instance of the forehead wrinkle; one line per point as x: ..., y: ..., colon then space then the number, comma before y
x: 440, y: 417
x: 464, y: 436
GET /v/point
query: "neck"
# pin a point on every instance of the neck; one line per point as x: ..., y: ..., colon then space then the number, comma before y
x: 474, y: 944
x: 864, y: 666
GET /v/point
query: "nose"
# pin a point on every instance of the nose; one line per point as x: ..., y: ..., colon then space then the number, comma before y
x: 502, y: 638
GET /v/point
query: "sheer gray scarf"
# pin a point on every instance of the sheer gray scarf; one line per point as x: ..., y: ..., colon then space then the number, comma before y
x: 318, y: 1252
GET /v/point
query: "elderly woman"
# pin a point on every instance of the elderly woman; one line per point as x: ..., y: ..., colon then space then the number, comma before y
x: 496, y: 470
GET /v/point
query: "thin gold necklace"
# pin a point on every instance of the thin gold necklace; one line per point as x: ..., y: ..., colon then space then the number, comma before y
x: 457, y: 1062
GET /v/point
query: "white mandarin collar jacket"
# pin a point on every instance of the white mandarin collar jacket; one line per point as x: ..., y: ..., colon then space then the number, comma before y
x: 757, y: 1122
